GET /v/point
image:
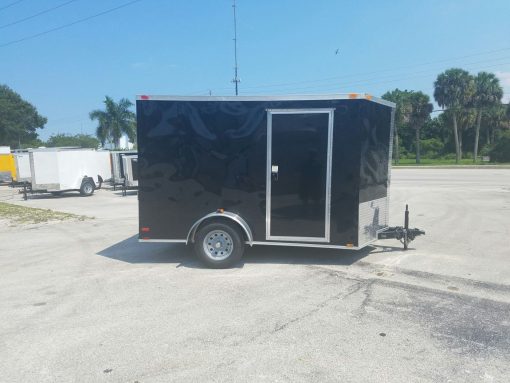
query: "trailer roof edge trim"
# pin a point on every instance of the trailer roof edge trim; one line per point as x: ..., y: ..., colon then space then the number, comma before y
x: 292, y: 97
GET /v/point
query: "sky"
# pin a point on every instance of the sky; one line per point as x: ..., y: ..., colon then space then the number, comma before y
x: 123, y: 48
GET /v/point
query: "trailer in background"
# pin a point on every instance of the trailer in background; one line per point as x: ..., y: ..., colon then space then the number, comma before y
x: 59, y: 170
x: 7, y: 165
x: 22, y: 164
x: 117, y: 165
x: 130, y: 166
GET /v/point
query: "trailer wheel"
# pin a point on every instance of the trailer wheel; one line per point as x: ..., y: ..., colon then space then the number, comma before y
x: 87, y: 188
x: 219, y: 245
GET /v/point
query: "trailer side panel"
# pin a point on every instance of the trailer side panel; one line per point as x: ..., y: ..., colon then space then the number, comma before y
x: 199, y: 156
x: 375, y: 165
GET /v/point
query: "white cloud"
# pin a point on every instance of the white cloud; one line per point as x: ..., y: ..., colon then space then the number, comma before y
x: 504, y: 79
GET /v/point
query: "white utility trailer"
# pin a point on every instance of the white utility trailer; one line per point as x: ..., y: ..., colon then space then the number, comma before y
x: 22, y: 162
x: 130, y: 163
x: 118, y: 172
x: 58, y: 170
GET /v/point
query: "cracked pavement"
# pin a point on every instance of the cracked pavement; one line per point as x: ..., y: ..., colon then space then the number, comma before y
x: 84, y: 301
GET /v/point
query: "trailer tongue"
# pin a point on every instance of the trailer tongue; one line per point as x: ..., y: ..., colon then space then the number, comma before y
x: 403, y: 234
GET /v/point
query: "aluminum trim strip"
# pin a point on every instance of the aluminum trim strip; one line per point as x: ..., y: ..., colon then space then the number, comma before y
x: 300, y: 111
x: 297, y: 244
x: 329, y: 150
x: 163, y: 240
x: 290, y: 97
x: 297, y: 239
x: 390, y: 159
x: 373, y: 240
x: 384, y: 102
x: 328, y: 172
x: 269, y: 145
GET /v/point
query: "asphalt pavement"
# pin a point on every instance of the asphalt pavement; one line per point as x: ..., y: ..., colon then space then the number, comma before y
x: 83, y: 301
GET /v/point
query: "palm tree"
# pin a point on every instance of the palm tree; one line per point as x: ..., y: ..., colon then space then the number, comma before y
x: 488, y: 93
x: 496, y: 117
x: 453, y: 90
x: 401, y: 99
x: 419, y: 114
x: 114, y: 121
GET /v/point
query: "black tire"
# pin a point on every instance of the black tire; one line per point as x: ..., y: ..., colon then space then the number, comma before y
x: 87, y: 188
x: 227, y: 237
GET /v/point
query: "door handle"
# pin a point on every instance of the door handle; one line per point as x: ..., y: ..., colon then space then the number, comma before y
x: 274, y: 172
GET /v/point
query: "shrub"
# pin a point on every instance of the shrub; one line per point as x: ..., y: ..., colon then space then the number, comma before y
x: 485, y: 150
x: 501, y: 150
x: 431, y: 148
x: 448, y: 156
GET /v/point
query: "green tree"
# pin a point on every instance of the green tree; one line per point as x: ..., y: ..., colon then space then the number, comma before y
x: 19, y: 120
x: 437, y: 128
x: 401, y: 99
x: 432, y: 147
x: 420, y: 109
x: 488, y: 94
x: 79, y: 140
x: 454, y: 89
x: 501, y: 150
x: 33, y: 143
x: 466, y: 119
x: 114, y: 121
x: 496, y: 119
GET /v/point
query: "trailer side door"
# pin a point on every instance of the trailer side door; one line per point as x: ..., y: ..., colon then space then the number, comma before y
x: 298, y: 179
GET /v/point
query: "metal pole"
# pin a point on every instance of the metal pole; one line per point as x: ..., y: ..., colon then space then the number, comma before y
x: 406, y: 228
x: 236, y: 78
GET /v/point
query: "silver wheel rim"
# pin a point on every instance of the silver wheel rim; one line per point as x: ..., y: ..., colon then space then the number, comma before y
x: 218, y: 245
x: 87, y: 188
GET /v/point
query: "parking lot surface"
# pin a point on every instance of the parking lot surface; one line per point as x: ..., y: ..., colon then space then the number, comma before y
x: 83, y: 301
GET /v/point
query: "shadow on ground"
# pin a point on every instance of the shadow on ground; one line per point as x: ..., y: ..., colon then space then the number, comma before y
x: 132, y: 251
x: 128, y: 192
x: 59, y: 195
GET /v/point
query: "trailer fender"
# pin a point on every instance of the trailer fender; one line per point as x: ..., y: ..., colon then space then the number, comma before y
x: 221, y: 214
x: 88, y: 179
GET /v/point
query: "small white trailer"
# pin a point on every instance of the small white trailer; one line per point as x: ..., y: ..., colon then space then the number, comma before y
x: 58, y: 170
x: 130, y: 166
x: 118, y: 176
x: 22, y: 162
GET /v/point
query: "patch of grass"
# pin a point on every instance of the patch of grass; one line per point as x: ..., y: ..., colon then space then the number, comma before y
x: 16, y: 214
x: 441, y: 161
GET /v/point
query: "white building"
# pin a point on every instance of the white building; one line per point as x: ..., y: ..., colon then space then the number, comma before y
x: 124, y: 143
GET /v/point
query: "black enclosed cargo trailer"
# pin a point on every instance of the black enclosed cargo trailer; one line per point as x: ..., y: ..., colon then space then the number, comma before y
x: 221, y: 172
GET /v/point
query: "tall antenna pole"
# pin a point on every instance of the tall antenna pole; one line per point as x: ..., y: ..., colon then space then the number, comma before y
x: 236, y: 80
